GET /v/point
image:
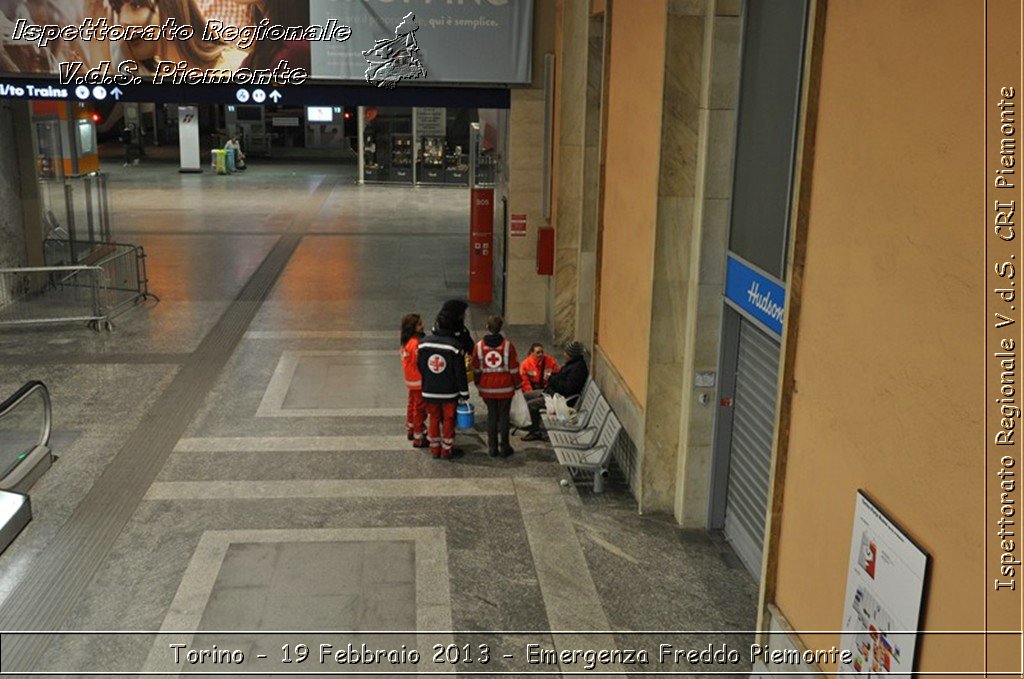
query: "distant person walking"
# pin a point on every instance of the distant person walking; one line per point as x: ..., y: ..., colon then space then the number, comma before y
x: 497, y: 366
x: 128, y: 140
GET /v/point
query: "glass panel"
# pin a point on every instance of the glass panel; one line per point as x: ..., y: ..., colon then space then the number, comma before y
x: 387, y: 136
x: 86, y: 137
x: 773, y: 42
x: 21, y: 430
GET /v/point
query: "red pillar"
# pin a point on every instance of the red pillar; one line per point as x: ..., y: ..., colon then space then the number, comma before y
x: 481, y: 246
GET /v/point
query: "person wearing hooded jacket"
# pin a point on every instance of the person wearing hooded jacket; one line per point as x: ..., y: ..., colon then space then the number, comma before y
x: 496, y: 363
x: 443, y: 374
x: 454, y: 314
x: 569, y: 382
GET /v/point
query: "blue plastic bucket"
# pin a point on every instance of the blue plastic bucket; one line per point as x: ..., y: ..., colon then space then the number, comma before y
x: 465, y: 416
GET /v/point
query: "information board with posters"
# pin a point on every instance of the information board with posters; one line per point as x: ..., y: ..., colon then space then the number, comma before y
x: 884, y: 590
x: 431, y: 121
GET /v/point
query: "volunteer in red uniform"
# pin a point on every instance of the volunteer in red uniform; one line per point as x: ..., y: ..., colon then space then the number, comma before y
x: 537, y: 369
x: 443, y: 373
x: 497, y: 366
x: 416, y: 412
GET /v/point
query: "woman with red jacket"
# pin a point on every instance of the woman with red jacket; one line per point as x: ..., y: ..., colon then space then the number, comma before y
x: 496, y: 364
x: 416, y: 412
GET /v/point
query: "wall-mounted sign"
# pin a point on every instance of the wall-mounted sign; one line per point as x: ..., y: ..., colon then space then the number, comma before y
x: 884, y: 590
x: 431, y: 121
x: 517, y: 226
x: 755, y: 294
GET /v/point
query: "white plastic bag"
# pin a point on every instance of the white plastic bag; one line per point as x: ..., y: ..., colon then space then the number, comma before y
x: 519, y: 414
x: 562, y: 411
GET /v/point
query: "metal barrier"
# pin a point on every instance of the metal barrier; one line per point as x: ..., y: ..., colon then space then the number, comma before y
x: 111, y: 278
x: 54, y: 294
x: 124, y: 281
x: 25, y: 422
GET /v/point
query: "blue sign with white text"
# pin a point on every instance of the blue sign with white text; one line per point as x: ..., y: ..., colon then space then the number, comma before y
x: 759, y: 296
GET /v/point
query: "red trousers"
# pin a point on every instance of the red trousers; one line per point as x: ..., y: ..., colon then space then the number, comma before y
x: 442, y: 428
x: 416, y: 416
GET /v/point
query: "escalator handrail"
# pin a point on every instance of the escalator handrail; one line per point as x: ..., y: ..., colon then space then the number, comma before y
x: 26, y: 391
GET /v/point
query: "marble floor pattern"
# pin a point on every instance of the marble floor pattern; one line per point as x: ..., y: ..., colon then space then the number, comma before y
x: 289, y: 509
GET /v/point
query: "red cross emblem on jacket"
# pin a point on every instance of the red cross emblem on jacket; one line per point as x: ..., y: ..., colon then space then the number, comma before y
x: 437, y: 364
x: 499, y: 369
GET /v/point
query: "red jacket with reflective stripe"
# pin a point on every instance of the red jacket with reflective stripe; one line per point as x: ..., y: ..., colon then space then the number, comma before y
x: 497, y: 369
x: 536, y: 376
x: 413, y: 380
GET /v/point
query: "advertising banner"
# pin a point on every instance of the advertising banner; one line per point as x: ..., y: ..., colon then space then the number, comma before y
x: 459, y: 42
x: 884, y: 589
x: 122, y: 42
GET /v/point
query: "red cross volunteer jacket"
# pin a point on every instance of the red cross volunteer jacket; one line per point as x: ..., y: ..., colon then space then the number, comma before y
x: 442, y: 369
x: 413, y: 381
x: 536, y: 374
x: 497, y: 367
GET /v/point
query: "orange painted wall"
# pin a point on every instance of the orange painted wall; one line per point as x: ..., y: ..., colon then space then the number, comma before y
x: 888, y: 369
x: 635, y: 86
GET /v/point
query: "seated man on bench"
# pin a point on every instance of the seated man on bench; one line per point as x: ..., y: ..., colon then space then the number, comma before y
x: 569, y: 382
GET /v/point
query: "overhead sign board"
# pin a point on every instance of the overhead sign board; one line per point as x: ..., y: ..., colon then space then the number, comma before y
x: 292, y: 95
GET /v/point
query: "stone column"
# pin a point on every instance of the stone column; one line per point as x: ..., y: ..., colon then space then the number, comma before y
x: 19, y: 206
x: 586, y: 266
x: 527, y: 293
x: 719, y: 96
x: 571, y: 137
x: 676, y: 258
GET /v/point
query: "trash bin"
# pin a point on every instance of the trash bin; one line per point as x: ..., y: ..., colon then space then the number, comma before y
x: 219, y: 161
x: 465, y: 416
x: 230, y: 153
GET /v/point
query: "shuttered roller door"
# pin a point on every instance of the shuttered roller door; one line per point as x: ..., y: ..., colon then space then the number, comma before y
x: 751, y: 447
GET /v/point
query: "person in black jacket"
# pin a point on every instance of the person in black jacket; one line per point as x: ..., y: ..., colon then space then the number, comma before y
x: 443, y: 369
x: 453, y: 315
x: 569, y: 382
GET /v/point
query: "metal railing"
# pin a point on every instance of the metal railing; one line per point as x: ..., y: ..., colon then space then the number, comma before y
x: 26, y: 419
x: 110, y: 279
x: 79, y: 207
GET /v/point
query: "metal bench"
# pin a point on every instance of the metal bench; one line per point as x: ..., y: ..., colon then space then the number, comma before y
x: 593, y: 460
x: 579, y: 422
x: 586, y: 437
